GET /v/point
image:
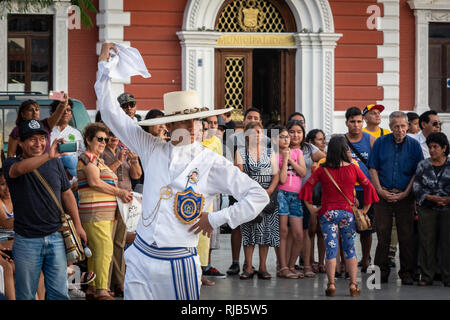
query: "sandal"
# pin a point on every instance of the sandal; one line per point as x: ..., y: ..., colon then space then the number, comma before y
x: 246, y: 275
x: 87, y: 277
x: 104, y: 297
x: 264, y: 275
x: 288, y: 275
x: 300, y: 274
x: 207, y: 282
x: 308, y: 272
x: 329, y: 292
x: 354, y: 292
x: 315, y: 267
x: 322, y: 268
x: 423, y: 283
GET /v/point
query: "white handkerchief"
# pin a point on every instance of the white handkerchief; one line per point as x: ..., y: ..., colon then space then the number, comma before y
x: 126, y: 63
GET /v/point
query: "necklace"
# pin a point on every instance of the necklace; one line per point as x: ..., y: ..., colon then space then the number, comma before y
x: 165, y: 193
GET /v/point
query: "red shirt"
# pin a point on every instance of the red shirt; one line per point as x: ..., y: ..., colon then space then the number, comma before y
x: 345, y: 177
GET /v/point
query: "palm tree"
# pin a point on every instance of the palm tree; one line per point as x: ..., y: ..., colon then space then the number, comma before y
x: 24, y: 6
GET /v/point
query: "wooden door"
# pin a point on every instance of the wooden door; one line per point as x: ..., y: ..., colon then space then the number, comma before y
x: 233, y: 87
x: 439, y: 74
x: 287, y: 106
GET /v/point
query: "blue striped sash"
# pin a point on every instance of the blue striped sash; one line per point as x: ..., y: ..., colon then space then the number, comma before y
x: 184, y: 274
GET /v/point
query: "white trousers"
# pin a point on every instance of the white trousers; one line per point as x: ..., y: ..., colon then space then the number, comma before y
x: 148, y: 278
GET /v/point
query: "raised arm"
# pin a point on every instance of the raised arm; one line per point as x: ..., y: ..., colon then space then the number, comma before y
x: 132, y: 135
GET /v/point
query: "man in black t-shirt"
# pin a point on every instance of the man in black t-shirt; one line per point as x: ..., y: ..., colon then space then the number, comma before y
x: 38, y: 245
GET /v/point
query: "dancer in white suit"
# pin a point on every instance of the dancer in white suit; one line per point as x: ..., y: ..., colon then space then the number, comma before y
x: 181, y: 178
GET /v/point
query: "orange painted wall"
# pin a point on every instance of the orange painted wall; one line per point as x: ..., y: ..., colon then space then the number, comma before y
x: 407, y: 56
x: 83, y: 63
x: 153, y: 32
x: 356, y: 59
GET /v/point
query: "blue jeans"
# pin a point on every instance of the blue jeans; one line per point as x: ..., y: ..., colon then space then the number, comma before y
x: 334, y: 223
x: 31, y: 255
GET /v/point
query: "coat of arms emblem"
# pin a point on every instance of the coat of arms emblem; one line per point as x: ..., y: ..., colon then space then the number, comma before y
x: 250, y: 16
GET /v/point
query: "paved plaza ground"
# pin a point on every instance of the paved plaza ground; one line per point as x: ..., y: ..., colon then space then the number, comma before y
x: 232, y: 288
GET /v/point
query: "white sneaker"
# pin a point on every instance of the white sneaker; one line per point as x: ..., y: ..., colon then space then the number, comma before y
x: 76, y: 293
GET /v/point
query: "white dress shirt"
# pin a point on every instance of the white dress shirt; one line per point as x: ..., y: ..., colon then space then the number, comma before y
x: 167, y: 165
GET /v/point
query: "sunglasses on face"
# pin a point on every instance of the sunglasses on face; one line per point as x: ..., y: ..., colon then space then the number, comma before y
x: 437, y: 124
x: 101, y: 139
x: 129, y: 104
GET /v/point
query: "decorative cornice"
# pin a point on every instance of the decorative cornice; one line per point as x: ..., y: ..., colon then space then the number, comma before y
x: 429, y: 4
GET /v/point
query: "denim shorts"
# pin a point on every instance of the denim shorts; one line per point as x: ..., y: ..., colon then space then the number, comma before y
x: 289, y: 204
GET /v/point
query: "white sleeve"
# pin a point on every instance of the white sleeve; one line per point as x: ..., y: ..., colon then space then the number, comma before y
x: 131, y: 134
x: 251, y: 198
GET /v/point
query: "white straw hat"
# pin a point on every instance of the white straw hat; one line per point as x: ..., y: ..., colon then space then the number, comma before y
x: 180, y: 106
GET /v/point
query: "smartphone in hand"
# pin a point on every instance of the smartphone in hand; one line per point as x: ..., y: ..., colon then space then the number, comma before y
x: 67, y: 147
x: 56, y: 95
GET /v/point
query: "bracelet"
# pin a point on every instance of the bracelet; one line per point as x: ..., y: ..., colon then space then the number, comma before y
x: 134, y: 161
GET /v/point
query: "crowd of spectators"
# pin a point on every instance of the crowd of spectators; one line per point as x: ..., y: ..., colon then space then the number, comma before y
x: 398, y: 177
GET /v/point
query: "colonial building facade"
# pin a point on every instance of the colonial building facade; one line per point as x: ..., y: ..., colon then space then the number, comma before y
x: 318, y: 57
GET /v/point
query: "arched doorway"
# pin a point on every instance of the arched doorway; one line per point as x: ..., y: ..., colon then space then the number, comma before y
x: 252, y: 76
x: 310, y: 44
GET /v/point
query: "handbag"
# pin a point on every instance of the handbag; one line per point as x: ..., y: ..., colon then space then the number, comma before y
x: 72, y: 242
x: 361, y: 219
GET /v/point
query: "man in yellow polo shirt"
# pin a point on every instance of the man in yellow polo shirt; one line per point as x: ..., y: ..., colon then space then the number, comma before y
x: 372, y: 115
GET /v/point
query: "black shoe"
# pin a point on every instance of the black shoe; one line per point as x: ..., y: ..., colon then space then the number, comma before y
x: 391, y: 263
x: 347, y: 276
x: 407, y: 281
x: 234, y: 269
x: 337, y: 275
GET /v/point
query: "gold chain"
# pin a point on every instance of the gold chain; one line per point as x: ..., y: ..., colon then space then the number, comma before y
x: 165, y: 193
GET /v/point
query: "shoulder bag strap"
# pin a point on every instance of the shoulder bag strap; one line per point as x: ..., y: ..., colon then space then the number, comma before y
x: 337, y: 186
x: 355, y: 151
x: 50, y: 191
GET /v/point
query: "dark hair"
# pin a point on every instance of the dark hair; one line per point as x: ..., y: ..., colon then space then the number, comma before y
x: 311, y: 136
x: 337, y: 152
x: 238, y: 125
x: 412, y: 116
x: 98, y: 117
x: 23, y: 106
x: 253, y: 109
x: 425, y: 117
x: 253, y: 124
x: 153, y: 114
x: 91, y: 130
x: 296, y: 114
x: 351, y: 112
x: 439, y: 138
x: 55, y: 105
x: 303, y: 143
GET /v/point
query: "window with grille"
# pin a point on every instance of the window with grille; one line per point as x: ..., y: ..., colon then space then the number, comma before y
x: 29, y: 52
x: 234, y: 82
x: 250, y: 16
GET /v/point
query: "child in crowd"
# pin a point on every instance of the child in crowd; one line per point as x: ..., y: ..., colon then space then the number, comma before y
x: 292, y: 170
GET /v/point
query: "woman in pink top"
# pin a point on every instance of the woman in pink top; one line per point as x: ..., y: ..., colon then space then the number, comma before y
x: 292, y: 170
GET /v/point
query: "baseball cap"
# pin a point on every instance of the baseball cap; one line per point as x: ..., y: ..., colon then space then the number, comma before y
x: 30, y: 127
x: 125, y: 98
x: 372, y: 106
x: 70, y: 163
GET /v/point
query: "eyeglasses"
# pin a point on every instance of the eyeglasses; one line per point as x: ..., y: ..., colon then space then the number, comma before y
x: 284, y: 137
x: 128, y: 104
x: 437, y: 124
x: 101, y: 139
